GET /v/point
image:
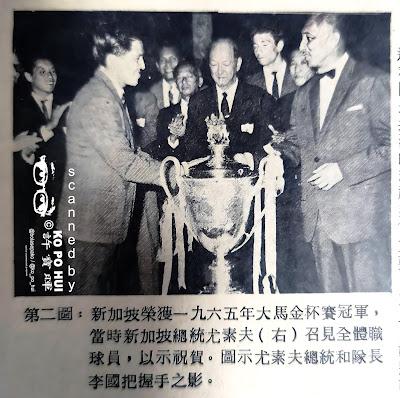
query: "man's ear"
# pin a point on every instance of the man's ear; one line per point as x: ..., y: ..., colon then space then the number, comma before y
x: 201, y: 81
x: 158, y: 66
x: 280, y: 45
x: 238, y: 64
x: 336, y: 38
x: 28, y: 77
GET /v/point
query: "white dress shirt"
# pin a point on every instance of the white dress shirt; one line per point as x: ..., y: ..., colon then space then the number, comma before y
x: 230, y: 95
x: 280, y: 70
x: 167, y: 87
x: 327, y: 88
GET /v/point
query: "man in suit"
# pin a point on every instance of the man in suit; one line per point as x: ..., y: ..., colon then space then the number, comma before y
x: 105, y: 163
x: 165, y: 90
x: 340, y: 132
x: 36, y: 119
x: 188, y: 80
x: 236, y: 101
x: 240, y: 105
x: 268, y: 43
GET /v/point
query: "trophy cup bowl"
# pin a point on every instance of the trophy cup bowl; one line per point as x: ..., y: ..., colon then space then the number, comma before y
x: 215, y: 197
x: 217, y: 206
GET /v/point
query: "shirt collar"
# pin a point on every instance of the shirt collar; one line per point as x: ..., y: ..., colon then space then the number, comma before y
x: 339, y: 65
x: 184, y: 106
x: 118, y: 88
x: 279, y: 67
x: 39, y: 99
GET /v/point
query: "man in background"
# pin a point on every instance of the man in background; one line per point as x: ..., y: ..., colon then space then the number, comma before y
x: 268, y: 43
x: 36, y: 119
x: 171, y: 122
x: 106, y: 163
x: 340, y: 133
x: 165, y: 90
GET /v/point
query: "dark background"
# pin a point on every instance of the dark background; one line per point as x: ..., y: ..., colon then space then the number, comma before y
x: 66, y: 38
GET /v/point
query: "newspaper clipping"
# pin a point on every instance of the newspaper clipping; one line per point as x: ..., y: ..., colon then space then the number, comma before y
x: 200, y: 199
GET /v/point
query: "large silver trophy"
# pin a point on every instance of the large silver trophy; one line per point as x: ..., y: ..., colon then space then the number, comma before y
x: 214, y: 198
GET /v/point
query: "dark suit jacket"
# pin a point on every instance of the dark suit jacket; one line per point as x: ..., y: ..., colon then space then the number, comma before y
x: 246, y: 109
x: 288, y: 85
x: 142, y: 105
x: 29, y: 117
x: 101, y: 150
x: 157, y: 91
x: 160, y: 148
x: 356, y: 135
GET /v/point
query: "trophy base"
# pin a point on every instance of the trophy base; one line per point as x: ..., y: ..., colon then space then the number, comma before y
x: 219, y: 279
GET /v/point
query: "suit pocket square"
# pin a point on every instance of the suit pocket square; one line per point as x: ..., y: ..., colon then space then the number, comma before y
x: 358, y: 107
x: 247, y: 128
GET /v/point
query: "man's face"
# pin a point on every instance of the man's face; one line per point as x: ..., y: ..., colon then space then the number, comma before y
x: 43, y: 77
x: 223, y: 65
x: 187, y: 81
x: 131, y: 63
x: 265, y: 49
x: 300, y: 70
x: 167, y: 63
x: 318, y: 43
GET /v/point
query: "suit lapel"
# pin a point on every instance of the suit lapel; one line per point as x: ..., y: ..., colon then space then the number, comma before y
x: 261, y: 80
x: 39, y: 111
x: 237, y: 100
x: 288, y: 84
x: 341, y: 90
x: 314, y: 105
x: 213, y: 100
x: 124, y: 109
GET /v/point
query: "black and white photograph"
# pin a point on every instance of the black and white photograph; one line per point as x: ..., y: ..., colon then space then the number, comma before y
x: 199, y: 199
x: 201, y: 153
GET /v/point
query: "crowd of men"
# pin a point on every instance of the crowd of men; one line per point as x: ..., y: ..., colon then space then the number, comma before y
x: 327, y: 114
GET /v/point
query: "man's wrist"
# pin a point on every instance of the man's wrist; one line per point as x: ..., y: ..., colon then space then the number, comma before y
x: 47, y: 132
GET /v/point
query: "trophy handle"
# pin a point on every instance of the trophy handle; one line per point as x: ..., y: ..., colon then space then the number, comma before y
x: 253, y: 192
x: 163, y: 174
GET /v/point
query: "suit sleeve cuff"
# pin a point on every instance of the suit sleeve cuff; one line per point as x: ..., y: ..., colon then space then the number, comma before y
x: 46, y: 133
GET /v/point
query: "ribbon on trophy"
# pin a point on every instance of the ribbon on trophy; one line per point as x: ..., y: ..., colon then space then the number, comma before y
x: 274, y: 184
x: 172, y: 226
x: 270, y: 184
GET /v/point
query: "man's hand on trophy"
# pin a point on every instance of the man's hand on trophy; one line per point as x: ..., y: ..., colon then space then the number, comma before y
x: 245, y: 158
x: 274, y: 170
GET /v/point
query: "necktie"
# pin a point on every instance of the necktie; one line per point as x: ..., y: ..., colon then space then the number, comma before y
x: 170, y: 96
x: 44, y: 109
x: 275, y: 89
x: 224, y: 106
x: 128, y: 123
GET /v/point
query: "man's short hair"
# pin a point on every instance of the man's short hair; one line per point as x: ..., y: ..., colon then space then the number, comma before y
x: 116, y: 43
x: 29, y: 64
x: 229, y: 41
x: 274, y: 30
x: 188, y: 63
x: 334, y: 20
x: 168, y: 45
